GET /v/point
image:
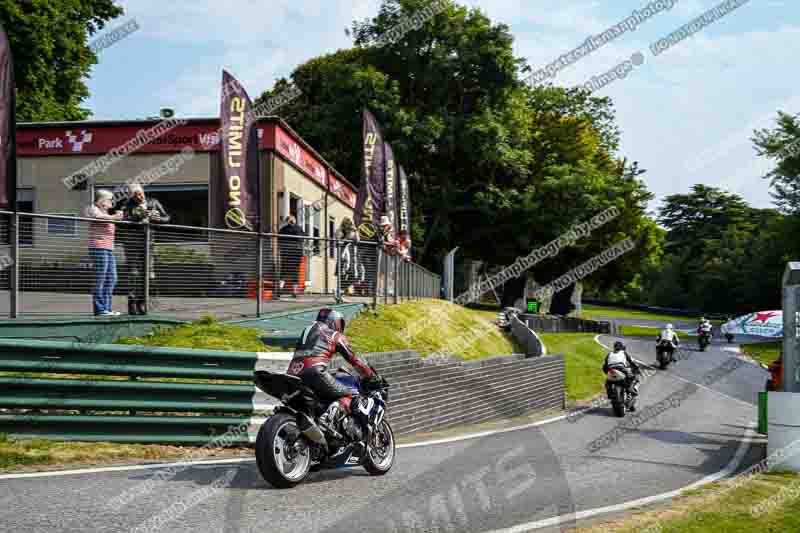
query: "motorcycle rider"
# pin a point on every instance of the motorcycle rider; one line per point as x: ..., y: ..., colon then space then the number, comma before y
x: 704, y: 327
x: 619, y: 358
x: 314, y: 350
x: 668, y: 334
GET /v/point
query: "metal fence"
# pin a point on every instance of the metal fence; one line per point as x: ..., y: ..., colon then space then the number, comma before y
x: 47, y: 267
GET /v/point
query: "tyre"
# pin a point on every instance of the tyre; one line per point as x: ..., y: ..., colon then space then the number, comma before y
x: 380, y: 453
x: 616, y: 401
x: 282, y: 455
x: 662, y: 361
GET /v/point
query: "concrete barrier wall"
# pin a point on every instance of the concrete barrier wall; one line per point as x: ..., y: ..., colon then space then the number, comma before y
x: 429, y: 396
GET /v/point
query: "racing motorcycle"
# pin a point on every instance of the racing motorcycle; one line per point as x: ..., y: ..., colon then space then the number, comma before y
x: 664, y: 353
x: 618, y: 394
x: 293, y: 441
x: 703, y: 340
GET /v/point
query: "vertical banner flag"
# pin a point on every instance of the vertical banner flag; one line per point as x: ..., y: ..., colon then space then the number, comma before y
x: 404, y: 203
x: 370, y: 201
x: 8, y: 126
x: 390, y: 186
x: 235, y: 200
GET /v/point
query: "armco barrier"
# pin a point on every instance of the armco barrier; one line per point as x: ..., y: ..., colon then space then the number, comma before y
x: 425, y: 396
x: 527, y: 338
x: 689, y: 313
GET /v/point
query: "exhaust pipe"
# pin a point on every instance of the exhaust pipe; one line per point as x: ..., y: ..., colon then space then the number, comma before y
x: 312, y: 431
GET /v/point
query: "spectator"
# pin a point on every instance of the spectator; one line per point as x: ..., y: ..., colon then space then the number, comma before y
x: 349, y: 258
x: 291, y: 254
x: 138, y: 208
x: 101, y: 250
x: 404, y: 245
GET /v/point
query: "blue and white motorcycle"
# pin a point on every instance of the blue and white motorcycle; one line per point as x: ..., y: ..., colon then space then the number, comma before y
x: 293, y: 441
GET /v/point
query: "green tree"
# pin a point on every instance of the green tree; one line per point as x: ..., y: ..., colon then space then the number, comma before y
x: 49, y: 40
x: 783, y: 145
x: 495, y: 166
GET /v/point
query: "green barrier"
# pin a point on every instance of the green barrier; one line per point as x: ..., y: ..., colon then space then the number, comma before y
x: 174, y: 399
x: 762, y: 412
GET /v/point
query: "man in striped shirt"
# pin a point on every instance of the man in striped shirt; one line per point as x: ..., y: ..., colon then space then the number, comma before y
x: 101, y: 250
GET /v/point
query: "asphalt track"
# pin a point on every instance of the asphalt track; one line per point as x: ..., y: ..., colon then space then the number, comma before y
x: 488, y: 483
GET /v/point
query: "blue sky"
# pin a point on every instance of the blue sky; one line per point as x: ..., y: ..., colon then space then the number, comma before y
x: 686, y: 115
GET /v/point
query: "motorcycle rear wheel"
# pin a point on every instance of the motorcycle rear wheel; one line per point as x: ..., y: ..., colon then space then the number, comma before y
x: 617, y: 403
x: 380, y: 454
x: 281, y: 464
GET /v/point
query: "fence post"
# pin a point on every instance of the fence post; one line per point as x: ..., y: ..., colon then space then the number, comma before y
x: 385, y: 267
x: 379, y: 253
x: 260, y: 274
x: 338, y: 269
x: 147, y: 257
x: 395, y: 284
x: 13, y: 275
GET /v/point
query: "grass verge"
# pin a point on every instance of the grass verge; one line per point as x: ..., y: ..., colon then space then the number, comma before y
x: 595, y: 312
x: 584, y: 362
x: 639, y: 331
x: 21, y: 455
x: 763, y: 352
x: 430, y: 326
x: 709, y: 510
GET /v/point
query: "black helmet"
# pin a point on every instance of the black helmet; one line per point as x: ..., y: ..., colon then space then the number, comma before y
x: 332, y: 318
x: 618, y: 346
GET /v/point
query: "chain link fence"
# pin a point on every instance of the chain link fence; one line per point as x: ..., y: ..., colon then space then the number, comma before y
x: 188, y: 272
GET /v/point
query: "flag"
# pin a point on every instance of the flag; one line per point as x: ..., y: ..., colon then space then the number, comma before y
x: 235, y: 202
x: 370, y: 201
x: 390, y: 186
x: 8, y: 126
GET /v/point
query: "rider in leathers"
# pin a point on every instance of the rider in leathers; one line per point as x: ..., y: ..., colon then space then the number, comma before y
x: 620, y: 358
x: 314, y: 351
x: 668, y: 334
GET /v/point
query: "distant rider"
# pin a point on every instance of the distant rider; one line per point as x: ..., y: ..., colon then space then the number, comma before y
x: 704, y: 327
x: 314, y: 351
x: 619, y: 358
x: 668, y: 334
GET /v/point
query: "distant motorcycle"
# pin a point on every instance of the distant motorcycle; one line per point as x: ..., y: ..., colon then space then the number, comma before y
x: 618, y: 394
x: 664, y: 353
x: 292, y: 442
x: 703, y: 340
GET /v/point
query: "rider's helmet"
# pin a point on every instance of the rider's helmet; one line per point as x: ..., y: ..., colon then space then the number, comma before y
x: 702, y: 319
x: 669, y: 326
x: 332, y: 318
x: 618, y: 346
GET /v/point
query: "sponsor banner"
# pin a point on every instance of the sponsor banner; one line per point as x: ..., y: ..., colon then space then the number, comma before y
x: 299, y: 156
x: 92, y: 140
x: 236, y: 199
x: 403, y: 203
x: 8, y: 163
x: 370, y: 202
x: 761, y: 323
x: 390, y: 186
x: 341, y: 190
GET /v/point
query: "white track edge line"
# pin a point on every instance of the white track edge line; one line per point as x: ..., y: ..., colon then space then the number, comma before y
x: 580, y: 515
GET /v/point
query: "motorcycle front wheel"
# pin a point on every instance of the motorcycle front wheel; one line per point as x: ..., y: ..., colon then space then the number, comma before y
x: 380, y: 453
x: 282, y: 454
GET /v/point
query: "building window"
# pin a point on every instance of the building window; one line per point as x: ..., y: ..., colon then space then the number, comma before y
x: 317, y: 230
x: 331, y: 237
x: 61, y: 227
x: 186, y: 205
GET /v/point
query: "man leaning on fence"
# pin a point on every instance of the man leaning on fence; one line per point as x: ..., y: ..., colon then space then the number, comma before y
x: 138, y: 208
x: 290, y: 247
x: 101, y: 250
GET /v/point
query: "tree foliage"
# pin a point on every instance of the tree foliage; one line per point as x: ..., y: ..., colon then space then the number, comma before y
x: 495, y: 166
x: 52, y: 59
x: 783, y: 145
